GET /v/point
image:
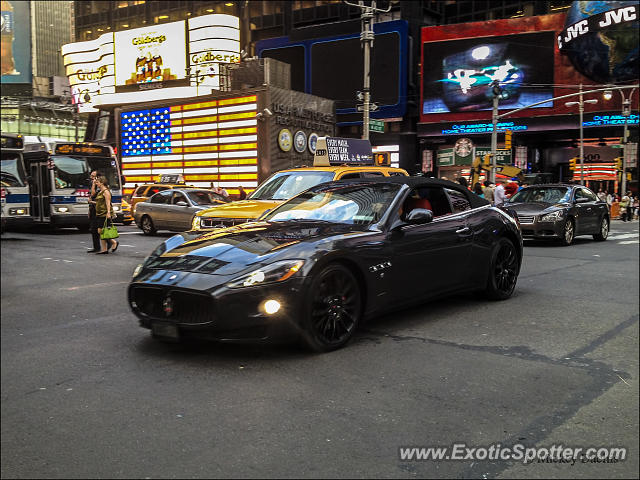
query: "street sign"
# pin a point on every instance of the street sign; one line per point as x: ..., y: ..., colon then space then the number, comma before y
x: 372, y: 107
x: 445, y: 157
x: 376, y: 125
x: 503, y: 157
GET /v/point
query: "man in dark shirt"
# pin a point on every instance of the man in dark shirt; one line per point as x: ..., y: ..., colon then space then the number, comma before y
x: 95, y: 236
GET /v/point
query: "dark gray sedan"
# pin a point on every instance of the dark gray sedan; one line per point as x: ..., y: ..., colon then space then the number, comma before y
x: 174, y: 209
x: 560, y: 212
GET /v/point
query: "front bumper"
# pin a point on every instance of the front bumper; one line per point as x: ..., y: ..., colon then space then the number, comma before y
x: 541, y: 230
x: 70, y: 220
x: 223, y: 314
x: 16, y: 221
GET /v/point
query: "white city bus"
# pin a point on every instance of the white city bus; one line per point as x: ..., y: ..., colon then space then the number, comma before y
x: 14, y: 190
x: 59, y: 180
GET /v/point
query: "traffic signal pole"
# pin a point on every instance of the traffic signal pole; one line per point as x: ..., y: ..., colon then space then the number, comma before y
x: 366, y: 38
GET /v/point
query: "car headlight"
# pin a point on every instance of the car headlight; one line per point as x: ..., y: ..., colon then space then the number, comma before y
x: 195, y: 223
x: 552, y: 217
x: 116, y: 208
x: 276, y: 272
x: 137, y: 270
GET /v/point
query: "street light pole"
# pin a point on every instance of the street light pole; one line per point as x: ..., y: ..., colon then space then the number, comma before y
x: 580, y: 104
x: 626, y: 112
x: 366, y: 38
x: 494, y: 130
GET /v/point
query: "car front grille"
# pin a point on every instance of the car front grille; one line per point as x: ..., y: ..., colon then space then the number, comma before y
x: 526, y: 218
x: 183, y: 307
x: 206, y: 222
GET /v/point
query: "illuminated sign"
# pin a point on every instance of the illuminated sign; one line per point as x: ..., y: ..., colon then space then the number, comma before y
x: 469, y: 128
x: 83, y: 149
x: 150, y: 54
x: 150, y: 58
x: 608, y: 120
x: 90, y: 69
x: 213, y: 141
x: 11, y: 142
x: 598, y: 22
x: 342, y: 151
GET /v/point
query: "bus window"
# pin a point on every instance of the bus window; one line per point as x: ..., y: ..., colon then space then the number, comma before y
x: 70, y: 172
x: 12, y: 174
x: 105, y: 166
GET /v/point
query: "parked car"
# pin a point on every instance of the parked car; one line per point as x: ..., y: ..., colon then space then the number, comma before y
x: 146, y: 191
x: 174, y: 209
x: 560, y: 212
x: 320, y: 263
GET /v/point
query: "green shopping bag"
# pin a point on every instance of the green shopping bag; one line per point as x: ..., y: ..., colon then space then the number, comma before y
x: 109, y: 232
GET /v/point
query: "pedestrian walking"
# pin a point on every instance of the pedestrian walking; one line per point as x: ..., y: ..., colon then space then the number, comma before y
x: 462, y: 181
x: 242, y: 194
x: 488, y: 191
x: 499, y: 195
x: 511, y: 188
x: 104, y: 213
x: 602, y: 195
x: 636, y: 207
x: 630, y: 206
x: 624, y: 204
x: 95, y: 236
x: 477, y: 189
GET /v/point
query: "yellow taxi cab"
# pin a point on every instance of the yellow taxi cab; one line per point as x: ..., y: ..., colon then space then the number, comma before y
x: 165, y: 182
x: 125, y: 216
x: 282, y: 186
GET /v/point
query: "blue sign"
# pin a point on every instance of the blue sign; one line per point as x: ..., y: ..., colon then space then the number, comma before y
x: 470, y: 128
x: 609, y: 120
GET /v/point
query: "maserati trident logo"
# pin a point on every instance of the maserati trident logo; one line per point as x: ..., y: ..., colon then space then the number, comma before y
x: 167, y: 306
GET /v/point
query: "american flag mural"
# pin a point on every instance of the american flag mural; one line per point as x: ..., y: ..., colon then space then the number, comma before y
x: 207, y: 142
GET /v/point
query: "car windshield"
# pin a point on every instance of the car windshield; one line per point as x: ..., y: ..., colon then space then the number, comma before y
x: 358, y: 204
x: 12, y: 173
x: 284, y: 185
x: 542, y: 194
x: 203, y: 197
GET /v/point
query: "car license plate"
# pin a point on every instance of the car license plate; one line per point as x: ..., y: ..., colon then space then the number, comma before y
x: 82, y: 199
x: 165, y: 330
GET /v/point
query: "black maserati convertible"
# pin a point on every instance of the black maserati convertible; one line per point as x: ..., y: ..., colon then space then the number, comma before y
x: 319, y: 264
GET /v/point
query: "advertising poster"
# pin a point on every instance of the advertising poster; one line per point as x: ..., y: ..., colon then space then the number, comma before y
x: 148, y: 57
x: 16, y: 42
x: 458, y: 74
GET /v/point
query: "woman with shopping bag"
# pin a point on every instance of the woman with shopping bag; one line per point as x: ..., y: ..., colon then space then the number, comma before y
x: 104, y: 223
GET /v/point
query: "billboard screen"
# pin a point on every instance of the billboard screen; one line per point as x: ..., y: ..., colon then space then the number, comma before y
x: 207, y: 142
x: 16, y: 42
x: 458, y: 73
x: 150, y: 54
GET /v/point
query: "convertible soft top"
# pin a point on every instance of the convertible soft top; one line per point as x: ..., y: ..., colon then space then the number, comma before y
x: 416, y: 182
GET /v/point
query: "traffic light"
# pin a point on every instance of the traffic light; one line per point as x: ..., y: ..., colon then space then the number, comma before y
x: 618, y: 161
x: 628, y: 176
x: 572, y: 163
x: 507, y: 139
x: 382, y: 159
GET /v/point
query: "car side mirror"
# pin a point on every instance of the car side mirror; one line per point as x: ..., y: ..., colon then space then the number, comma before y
x: 182, y: 204
x: 581, y: 200
x: 419, y: 216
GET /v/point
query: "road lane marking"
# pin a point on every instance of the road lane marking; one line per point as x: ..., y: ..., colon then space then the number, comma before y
x: 93, y: 285
x: 628, y: 242
x: 623, y: 236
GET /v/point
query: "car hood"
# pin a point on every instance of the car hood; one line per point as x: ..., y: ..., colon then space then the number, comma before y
x: 231, y: 250
x: 241, y: 209
x: 534, y: 208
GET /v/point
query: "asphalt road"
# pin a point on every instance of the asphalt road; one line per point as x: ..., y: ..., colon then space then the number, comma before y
x: 88, y: 393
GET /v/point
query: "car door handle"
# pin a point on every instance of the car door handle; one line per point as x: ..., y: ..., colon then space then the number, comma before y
x: 463, y: 230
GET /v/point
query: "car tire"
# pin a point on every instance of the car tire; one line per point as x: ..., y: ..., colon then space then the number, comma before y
x: 503, y: 270
x: 568, y: 232
x: 603, y: 233
x: 147, y: 226
x: 333, y: 309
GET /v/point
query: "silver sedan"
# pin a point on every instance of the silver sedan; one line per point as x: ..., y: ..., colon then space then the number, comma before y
x: 174, y: 209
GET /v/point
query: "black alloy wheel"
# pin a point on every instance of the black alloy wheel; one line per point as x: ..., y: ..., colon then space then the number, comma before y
x: 334, y: 309
x: 568, y: 232
x: 147, y: 226
x: 503, y: 273
x: 603, y: 232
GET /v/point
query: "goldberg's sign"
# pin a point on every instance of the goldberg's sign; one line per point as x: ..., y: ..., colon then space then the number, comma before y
x: 597, y: 22
x: 152, y: 57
